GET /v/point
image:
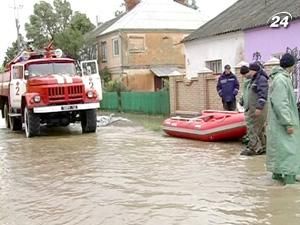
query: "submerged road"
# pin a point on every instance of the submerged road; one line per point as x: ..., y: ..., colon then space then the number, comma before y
x: 128, y: 175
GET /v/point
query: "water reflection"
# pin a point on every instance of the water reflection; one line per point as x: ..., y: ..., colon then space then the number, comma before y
x: 126, y: 175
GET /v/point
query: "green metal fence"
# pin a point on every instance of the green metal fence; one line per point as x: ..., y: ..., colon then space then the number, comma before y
x: 109, y: 101
x: 143, y: 102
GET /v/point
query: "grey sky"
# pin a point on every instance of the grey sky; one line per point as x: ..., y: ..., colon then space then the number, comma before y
x: 102, y: 8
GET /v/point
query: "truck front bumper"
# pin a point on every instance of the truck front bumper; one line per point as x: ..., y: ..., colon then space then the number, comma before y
x: 65, y: 108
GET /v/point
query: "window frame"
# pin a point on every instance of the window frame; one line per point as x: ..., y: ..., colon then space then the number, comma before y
x: 137, y: 37
x: 115, y: 40
x: 17, y: 69
x: 103, y: 51
x: 218, y: 65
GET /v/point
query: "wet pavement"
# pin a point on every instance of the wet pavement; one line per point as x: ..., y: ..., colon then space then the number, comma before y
x: 129, y: 175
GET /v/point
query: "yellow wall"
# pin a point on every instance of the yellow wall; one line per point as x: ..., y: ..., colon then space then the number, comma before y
x: 158, y: 49
x: 112, y: 60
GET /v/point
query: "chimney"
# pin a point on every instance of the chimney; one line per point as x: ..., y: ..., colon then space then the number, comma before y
x: 98, y: 23
x: 183, y: 2
x: 130, y: 4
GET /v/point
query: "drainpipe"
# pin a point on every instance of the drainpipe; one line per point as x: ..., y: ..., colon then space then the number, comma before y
x: 121, y: 51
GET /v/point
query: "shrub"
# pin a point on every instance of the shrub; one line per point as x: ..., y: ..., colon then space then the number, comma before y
x: 115, y: 86
x: 105, y: 74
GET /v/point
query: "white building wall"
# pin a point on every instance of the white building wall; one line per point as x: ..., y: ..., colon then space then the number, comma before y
x: 228, y: 47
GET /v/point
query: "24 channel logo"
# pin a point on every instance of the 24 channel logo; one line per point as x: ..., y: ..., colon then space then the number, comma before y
x: 281, y: 19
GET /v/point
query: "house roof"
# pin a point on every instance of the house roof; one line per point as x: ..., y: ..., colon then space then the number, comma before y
x: 245, y: 14
x: 158, y: 14
x: 99, y: 29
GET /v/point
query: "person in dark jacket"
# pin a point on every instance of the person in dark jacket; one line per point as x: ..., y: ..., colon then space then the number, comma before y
x: 256, y: 109
x: 228, y: 87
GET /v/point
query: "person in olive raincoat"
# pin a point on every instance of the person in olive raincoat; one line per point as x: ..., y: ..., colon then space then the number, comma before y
x: 283, y: 133
x: 244, y: 71
x: 244, y: 98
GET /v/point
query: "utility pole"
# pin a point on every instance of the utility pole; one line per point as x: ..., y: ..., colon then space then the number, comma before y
x: 16, y: 12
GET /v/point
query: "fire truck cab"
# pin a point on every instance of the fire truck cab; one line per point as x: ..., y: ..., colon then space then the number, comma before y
x: 44, y: 88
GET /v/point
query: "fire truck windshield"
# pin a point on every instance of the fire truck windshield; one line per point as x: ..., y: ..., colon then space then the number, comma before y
x: 45, y: 69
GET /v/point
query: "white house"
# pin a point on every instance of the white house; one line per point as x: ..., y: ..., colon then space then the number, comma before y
x: 213, y: 53
x: 243, y: 33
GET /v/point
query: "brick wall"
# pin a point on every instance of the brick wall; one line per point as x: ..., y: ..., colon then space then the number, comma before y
x: 199, y: 93
x: 193, y: 96
x: 187, y: 96
x: 241, y: 81
x: 213, y: 99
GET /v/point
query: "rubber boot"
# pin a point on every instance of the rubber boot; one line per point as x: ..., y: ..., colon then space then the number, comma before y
x: 289, y: 179
x: 277, y: 176
x: 245, y: 140
x: 248, y: 152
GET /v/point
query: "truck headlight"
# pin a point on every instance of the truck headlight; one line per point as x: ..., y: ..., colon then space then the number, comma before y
x: 37, y: 99
x: 90, y: 94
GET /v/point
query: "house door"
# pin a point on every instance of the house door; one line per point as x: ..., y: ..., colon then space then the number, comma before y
x: 157, y: 83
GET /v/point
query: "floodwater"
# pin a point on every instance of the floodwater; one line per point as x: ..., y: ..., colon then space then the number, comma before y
x: 128, y: 175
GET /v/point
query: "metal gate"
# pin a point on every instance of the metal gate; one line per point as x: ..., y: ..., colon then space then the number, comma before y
x: 296, y: 74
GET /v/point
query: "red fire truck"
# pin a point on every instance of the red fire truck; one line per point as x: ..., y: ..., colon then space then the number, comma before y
x: 44, y: 88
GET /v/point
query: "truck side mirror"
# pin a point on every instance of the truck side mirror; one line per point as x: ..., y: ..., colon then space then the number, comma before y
x: 26, y: 73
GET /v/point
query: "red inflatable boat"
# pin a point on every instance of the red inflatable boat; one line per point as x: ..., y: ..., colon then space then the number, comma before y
x: 210, y: 126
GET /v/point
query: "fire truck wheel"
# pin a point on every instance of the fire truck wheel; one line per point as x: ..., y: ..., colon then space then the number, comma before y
x: 32, y: 123
x: 15, y: 123
x: 5, y: 112
x: 89, y: 121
